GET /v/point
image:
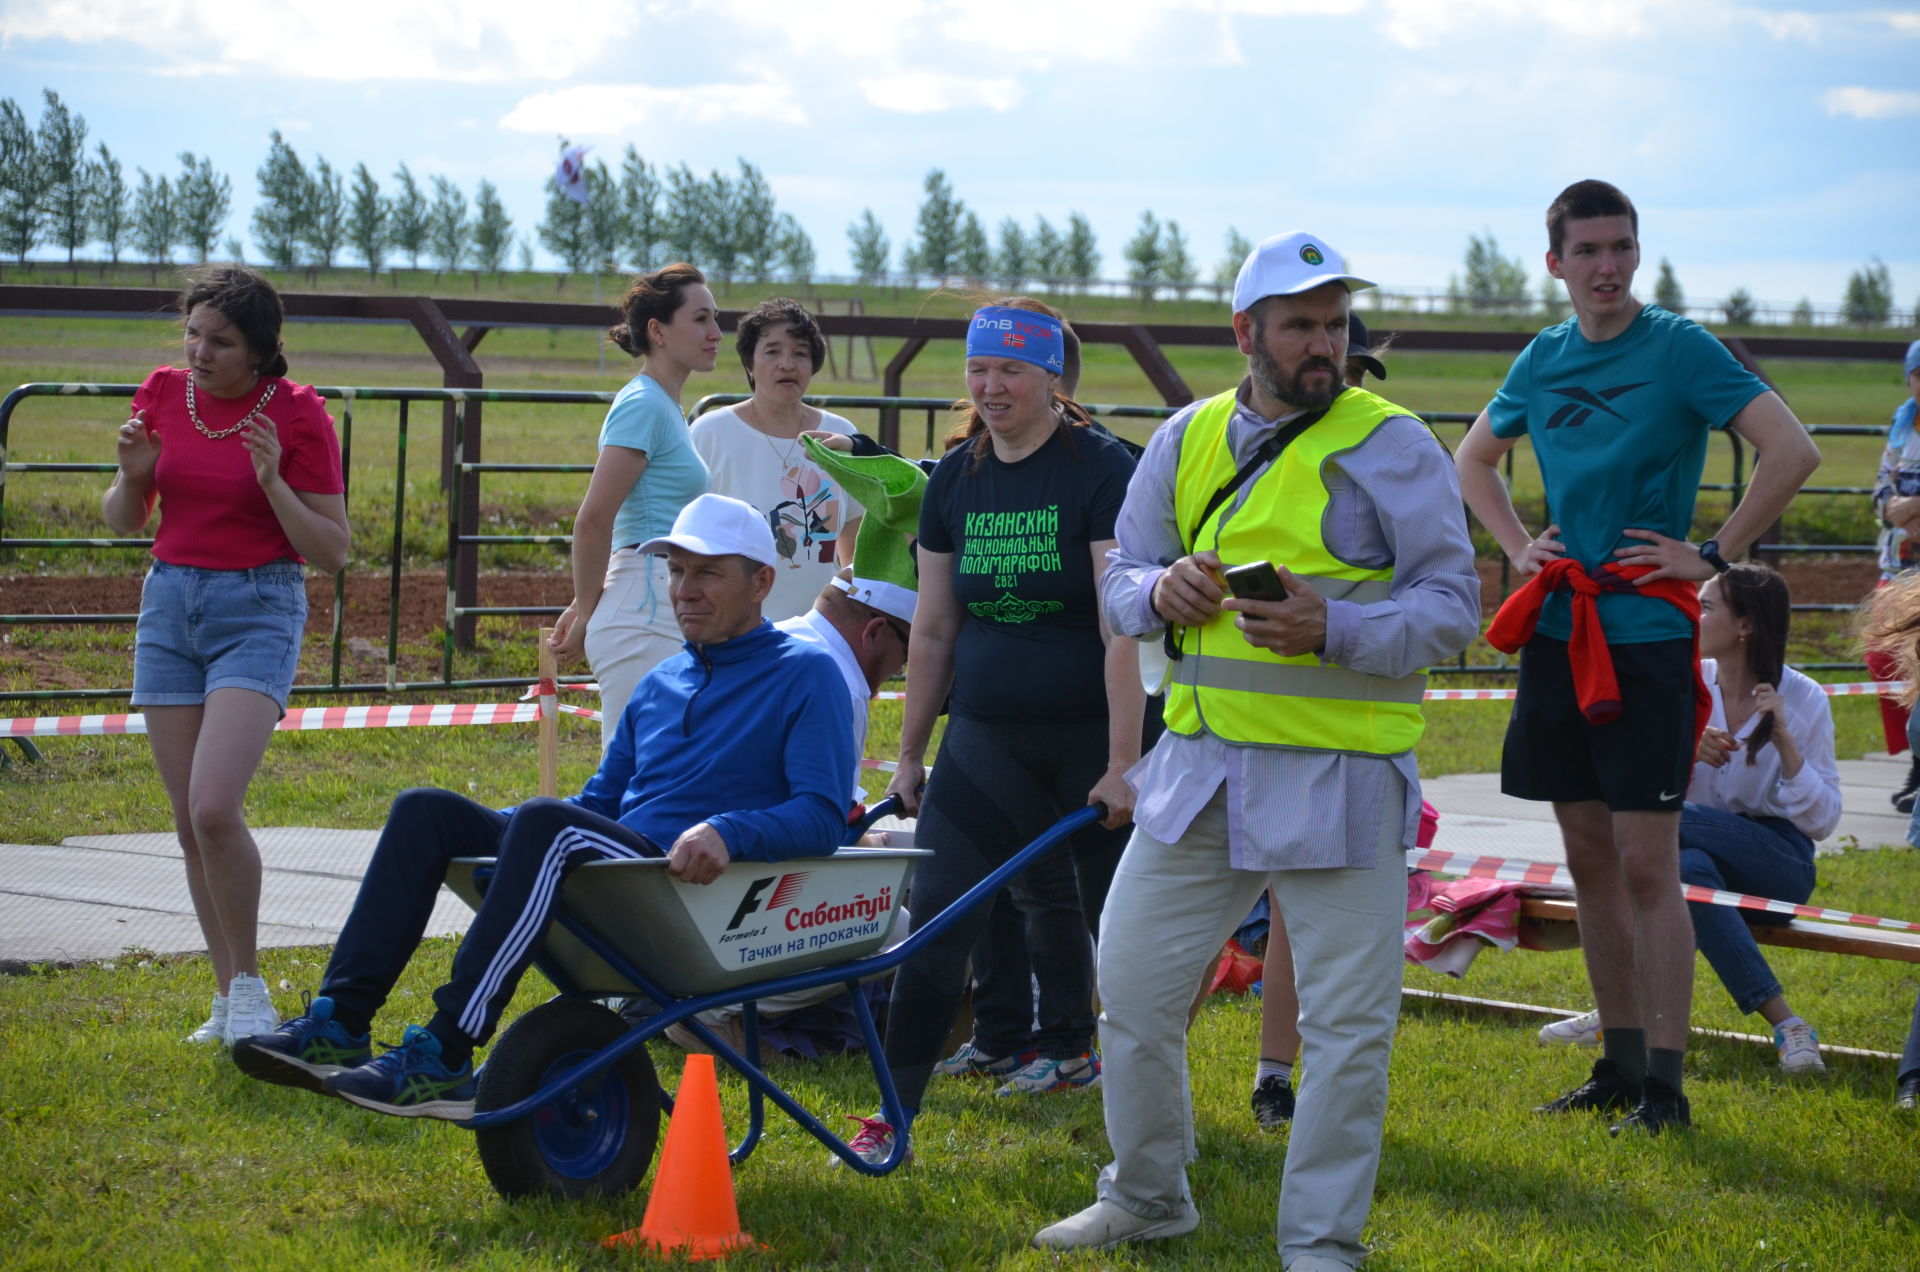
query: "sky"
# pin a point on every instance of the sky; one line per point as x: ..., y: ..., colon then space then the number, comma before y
x: 1767, y: 146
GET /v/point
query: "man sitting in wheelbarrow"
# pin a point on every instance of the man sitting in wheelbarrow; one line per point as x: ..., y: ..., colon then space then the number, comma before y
x: 738, y: 747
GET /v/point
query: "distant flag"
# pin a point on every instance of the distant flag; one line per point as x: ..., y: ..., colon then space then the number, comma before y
x: 571, y: 175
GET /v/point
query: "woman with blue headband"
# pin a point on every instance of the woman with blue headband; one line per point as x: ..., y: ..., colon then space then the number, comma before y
x: 1044, y: 705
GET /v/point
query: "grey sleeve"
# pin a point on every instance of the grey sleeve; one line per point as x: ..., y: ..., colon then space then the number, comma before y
x: 1148, y: 537
x: 1402, y: 505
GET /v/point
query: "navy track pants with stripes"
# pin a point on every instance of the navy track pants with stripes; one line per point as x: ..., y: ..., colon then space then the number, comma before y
x: 536, y: 847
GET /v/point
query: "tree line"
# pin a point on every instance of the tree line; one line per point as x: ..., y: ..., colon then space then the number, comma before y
x: 53, y: 190
x: 1492, y: 283
x: 950, y: 241
x: 728, y: 224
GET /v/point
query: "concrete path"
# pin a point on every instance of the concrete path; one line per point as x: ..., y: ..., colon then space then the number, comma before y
x: 98, y: 896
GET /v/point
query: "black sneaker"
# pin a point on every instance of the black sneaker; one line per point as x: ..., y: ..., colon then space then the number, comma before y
x: 1906, y: 1096
x: 1605, y: 1091
x: 304, y: 1052
x: 1661, y: 1108
x: 1272, y: 1102
x: 1903, y: 798
x: 411, y: 1080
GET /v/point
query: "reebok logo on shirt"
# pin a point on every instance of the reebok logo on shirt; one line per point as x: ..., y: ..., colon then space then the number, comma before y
x: 1584, y: 402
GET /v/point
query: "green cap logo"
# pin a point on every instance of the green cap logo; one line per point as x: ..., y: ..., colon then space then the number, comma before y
x: 1311, y: 255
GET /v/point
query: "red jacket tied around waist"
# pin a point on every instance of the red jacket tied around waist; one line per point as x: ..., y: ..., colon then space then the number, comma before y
x: 1594, y: 682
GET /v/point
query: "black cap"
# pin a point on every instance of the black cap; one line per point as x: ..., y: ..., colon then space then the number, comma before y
x: 1360, y: 345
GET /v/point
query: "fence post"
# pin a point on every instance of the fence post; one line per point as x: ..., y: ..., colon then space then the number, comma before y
x: 459, y: 371
x: 890, y: 387
x: 549, y: 719
x: 1166, y: 381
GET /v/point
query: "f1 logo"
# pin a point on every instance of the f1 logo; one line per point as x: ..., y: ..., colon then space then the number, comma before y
x: 789, y: 889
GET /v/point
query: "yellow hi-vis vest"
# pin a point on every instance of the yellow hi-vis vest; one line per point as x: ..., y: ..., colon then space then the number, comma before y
x: 1251, y: 696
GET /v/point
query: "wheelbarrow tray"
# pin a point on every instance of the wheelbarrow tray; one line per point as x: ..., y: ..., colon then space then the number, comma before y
x: 581, y: 1117
x: 757, y: 921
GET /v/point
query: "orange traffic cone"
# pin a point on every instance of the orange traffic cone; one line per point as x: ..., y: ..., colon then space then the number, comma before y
x: 691, y: 1211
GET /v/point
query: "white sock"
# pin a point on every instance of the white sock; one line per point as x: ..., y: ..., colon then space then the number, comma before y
x: 1790, y: 1020
x: 1273, y: 1068
x: 244, y: 981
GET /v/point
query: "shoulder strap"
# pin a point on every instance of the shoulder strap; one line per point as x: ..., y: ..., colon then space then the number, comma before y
x: 1267, y: 452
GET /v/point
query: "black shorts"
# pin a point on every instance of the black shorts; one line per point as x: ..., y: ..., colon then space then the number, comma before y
x: 1640, y: 762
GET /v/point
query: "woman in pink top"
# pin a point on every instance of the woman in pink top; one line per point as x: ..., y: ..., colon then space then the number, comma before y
x: 246, y: 469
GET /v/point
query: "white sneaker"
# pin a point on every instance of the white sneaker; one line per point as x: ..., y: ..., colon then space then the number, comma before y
x: 1799, y: 1048
x: 1575, y: 1031
x: 215, y: 1029
x: 249, y: 1010
x: 1104, y: 1225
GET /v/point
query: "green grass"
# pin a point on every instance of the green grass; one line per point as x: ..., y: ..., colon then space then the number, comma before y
x: 120, y: 1147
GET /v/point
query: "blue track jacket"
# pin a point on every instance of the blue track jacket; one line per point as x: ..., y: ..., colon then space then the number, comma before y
x: 752, y: 735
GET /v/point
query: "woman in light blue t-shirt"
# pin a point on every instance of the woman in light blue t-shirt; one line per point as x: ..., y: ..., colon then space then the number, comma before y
x: 621, y: 620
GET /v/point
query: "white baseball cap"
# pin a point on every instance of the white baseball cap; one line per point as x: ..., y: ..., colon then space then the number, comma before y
x: 716, y: 525
x: 1288, y: 264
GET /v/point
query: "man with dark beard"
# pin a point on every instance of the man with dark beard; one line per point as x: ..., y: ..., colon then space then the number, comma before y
x: 1288, y: 756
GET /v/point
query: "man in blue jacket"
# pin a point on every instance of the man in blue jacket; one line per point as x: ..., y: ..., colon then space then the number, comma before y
x: 738, y: 747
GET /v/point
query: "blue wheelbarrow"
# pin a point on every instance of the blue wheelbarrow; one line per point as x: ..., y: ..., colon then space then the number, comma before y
x: 568, y: 1103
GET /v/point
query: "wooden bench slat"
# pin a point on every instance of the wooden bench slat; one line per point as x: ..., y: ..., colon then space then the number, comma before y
x: 1800, y: 934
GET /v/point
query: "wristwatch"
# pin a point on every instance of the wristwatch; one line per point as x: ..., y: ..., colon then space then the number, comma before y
x: 1710, y: 553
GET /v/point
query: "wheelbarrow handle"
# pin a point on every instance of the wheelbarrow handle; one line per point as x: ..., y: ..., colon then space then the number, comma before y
x: 1048, y: 840
x: 888, y: 807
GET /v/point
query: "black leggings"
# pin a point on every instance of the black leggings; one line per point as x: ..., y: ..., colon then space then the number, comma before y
x: 995, y: 787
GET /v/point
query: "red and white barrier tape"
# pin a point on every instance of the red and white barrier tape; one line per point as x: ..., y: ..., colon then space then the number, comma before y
x: 1501, y: 695
x: 1550, y: 874
x: 424, y: 715
x: 415, y: 715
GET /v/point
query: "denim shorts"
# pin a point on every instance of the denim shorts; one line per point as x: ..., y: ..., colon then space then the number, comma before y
x: 202, y: 630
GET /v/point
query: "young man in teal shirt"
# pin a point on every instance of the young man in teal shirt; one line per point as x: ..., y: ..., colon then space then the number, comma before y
x: 1617, y: 403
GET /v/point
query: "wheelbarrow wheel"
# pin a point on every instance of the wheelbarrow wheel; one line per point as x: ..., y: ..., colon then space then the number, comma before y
x: 595, y: 1138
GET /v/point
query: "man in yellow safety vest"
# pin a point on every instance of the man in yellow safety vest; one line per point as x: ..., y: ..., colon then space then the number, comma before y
x: 1287, y: 760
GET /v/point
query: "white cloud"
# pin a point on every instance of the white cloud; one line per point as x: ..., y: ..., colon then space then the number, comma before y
x: 475, y: 40
x: 1870, y: 103
x: 605, y: 110
x: 1788, y: 25
x: 1418, y: 23
x: 892, y: 33
x: 931, y: 92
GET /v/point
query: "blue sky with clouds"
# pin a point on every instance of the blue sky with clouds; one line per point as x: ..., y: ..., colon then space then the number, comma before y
x: 1769, y: 146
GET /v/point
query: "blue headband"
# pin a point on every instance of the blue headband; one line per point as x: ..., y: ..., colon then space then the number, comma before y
x: 999, y: 331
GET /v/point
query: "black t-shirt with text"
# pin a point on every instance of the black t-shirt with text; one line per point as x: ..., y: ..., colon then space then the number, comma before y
x: 1023, y: 575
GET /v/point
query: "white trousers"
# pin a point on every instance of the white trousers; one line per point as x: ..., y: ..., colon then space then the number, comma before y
x: 1171, y: 909
x: 631, y: 631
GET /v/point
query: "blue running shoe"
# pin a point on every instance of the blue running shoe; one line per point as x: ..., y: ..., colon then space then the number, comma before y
x: 305, y: 1051
x: 1077, y: 1073
x: 409, y: 1081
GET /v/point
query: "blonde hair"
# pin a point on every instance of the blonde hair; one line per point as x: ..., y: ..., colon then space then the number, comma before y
x: 1888, y: 622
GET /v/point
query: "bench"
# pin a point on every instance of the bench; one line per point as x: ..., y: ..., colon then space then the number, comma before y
x: 1802, y: 934
x: 1799, y: 934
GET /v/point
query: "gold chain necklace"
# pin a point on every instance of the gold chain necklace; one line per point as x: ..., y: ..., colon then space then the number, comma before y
x: 193, y: 411
x: 784, y: 455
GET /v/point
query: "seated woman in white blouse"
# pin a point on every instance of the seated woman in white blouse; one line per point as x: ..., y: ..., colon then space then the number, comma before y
x: 1764, y: 788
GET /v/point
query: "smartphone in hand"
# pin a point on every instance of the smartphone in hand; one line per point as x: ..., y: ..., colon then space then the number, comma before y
x: 1258, y: 581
